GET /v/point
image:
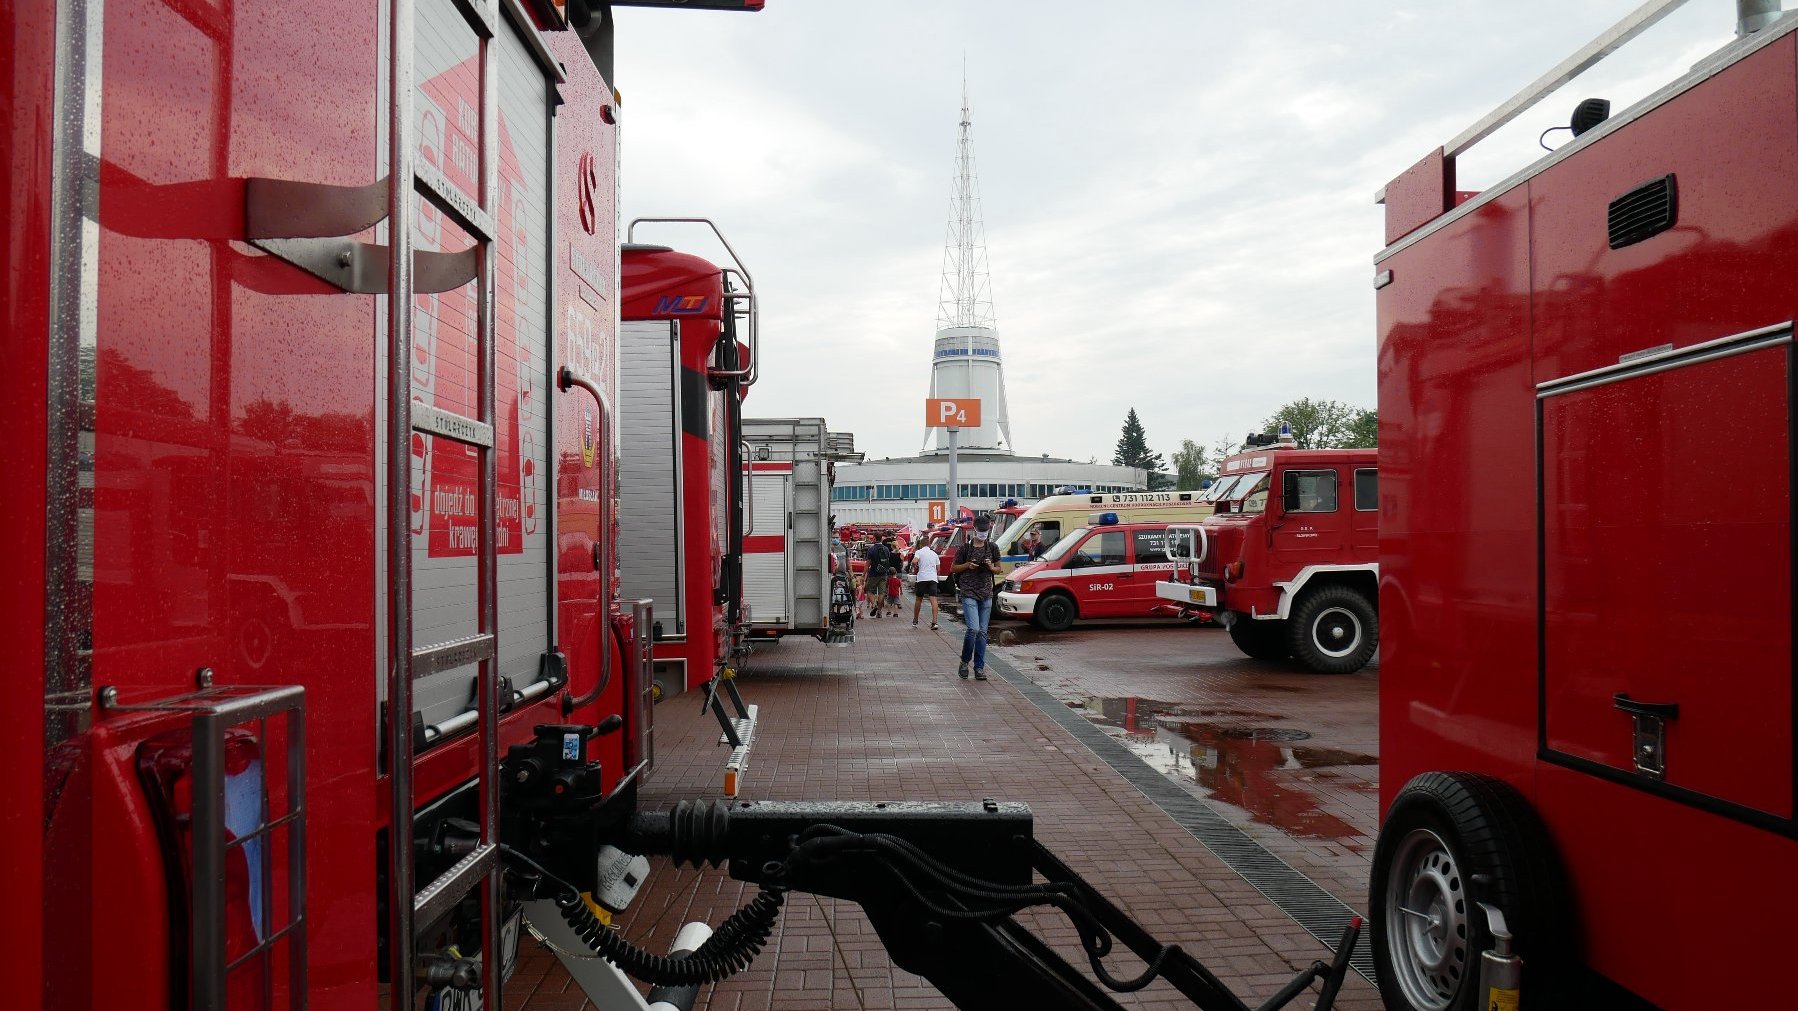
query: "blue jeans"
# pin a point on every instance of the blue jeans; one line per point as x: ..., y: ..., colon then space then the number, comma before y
x: 977, y: 615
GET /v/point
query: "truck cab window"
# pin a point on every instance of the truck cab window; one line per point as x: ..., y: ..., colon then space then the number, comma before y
x: 1151, y: 546
x: 1367, y: 489
x: 1308, y: 491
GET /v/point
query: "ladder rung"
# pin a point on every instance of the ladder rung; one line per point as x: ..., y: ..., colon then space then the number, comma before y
x: 437, y: 421
x: 745, y: 732
x: 450, y: 655
x: 441, y: 895
x: 432, y: 182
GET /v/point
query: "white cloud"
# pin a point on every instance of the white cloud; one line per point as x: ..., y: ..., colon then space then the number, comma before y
x: 1178, y: 194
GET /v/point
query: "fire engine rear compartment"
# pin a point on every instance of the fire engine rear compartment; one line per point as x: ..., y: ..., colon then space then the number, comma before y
x: 1546, y: 629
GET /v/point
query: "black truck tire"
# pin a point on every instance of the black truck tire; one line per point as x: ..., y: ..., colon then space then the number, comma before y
x: 1055, y: 612
x: 1262, y: 640
x: 1452, y: 840
x: 1333, y: 630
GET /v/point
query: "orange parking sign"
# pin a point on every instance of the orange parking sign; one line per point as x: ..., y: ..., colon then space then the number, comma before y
x: 939, y: 512
x: 943, y: 412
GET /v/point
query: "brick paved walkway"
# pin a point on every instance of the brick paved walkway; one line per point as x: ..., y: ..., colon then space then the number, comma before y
x: 887, y: 719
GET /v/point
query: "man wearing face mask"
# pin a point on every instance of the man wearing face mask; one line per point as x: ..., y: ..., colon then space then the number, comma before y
x: 976, y: 563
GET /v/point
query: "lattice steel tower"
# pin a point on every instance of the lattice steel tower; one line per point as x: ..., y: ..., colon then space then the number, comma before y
x: 966, y: 360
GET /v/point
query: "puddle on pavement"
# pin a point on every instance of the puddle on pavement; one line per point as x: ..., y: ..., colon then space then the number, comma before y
x: 1237, y: 759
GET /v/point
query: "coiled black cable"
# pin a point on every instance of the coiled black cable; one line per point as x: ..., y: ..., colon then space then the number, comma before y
x: 730, y: 949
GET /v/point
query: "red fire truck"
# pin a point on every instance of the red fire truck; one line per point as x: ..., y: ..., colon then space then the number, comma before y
x: 1288, y: 560
x: 683, y: 378
x: 315, y: 473
x: 313, y: 391
x: 1586, y: 433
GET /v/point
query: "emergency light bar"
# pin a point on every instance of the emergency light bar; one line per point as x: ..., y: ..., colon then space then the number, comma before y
x: 1104, y: 519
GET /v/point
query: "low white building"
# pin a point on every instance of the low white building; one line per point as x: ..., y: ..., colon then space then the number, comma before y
x: 903, y: 490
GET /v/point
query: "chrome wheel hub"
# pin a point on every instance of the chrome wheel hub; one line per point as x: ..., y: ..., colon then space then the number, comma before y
x: 1427, y: 921
x: 1336, y: 631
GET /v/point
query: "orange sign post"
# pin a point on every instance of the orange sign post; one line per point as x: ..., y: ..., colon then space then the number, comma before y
x: 954, y: 414
x: 945, y: 412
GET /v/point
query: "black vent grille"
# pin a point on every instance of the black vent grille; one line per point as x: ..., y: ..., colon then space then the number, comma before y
x: 1649, y: 209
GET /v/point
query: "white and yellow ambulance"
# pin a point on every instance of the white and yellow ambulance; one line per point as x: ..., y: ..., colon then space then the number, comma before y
x: 1060, y: 514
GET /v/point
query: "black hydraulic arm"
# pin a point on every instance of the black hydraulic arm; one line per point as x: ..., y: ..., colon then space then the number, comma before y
x: 941, y: 883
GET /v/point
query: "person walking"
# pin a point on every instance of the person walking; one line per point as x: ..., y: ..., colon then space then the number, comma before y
x: 976, y: 563
x: 895, y: 592
x: 876, y: 576
x: 926, y: 562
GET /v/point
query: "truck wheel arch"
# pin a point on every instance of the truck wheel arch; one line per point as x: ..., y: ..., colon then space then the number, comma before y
x: 1364, y: 577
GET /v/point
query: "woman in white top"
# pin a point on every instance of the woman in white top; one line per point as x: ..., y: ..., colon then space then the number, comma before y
x: 925, y: 562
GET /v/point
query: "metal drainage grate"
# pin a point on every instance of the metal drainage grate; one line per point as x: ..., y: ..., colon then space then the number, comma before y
x: 1322, y: 914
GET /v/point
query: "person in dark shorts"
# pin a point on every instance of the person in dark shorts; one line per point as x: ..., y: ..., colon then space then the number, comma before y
x: 876, y: 582
x: 976, y: 564
x: 926, y: 562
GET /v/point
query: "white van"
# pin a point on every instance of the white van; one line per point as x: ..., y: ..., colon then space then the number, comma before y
x: 1059, y: 514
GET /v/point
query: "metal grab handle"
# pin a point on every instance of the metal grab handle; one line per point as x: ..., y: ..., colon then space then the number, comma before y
x: 568, y: 379
x: 1201, y: 543
x: 748, y: 491
x: 747, y: 373
x: 1662, y: 710
x: 753, y: 370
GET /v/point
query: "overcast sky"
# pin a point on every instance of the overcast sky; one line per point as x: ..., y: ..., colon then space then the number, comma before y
x: 1178, y: 193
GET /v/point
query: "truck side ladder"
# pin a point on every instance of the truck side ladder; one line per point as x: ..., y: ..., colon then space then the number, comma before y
x: 412, y: 909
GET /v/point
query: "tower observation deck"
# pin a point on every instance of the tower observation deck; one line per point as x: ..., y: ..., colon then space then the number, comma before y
x: 965, y: 359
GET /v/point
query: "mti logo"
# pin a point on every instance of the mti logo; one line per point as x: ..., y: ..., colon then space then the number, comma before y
x: 682, y: 305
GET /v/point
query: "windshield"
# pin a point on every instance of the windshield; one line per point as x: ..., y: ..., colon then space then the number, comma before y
x: 1063, y: 546
x: 1237, y: 487
x: 1252, y: 489
x: 1218, y: 488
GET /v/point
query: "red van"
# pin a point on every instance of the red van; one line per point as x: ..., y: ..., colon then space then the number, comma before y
x: 1107, y: 570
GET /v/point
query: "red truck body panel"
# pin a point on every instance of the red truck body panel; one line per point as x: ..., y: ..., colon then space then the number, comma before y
x: 1551, y: 539
x: 26, y: 100
x: 662, y: 284
x: 231, y: 425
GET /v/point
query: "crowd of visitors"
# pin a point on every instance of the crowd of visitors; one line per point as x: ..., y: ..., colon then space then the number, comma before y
x: 971, y: 574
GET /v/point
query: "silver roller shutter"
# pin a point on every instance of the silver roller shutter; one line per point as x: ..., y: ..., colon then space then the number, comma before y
x: 649, y: 541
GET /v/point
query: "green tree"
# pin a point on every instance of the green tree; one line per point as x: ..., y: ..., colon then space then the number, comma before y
x: 1191, y: 465
x: 1364, y: 430
x: 1319, y: 424
x: 1133, y: 451
x: 1225, y: 447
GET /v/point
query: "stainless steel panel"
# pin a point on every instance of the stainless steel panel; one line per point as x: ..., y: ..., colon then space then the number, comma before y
x: 649, y: 410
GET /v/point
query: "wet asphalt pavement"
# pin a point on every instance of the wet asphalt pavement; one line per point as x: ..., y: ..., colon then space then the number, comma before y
x: 1290, y: 757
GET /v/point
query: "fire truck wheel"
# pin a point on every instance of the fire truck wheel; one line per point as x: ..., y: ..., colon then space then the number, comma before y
x: 1452, y: 840
x: 1334, y: 630
x: 1055, y: 612
x: 1263, y: 640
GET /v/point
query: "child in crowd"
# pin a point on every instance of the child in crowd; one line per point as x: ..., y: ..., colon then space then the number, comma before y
x: 895, y: 592
x: 861, y: 594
